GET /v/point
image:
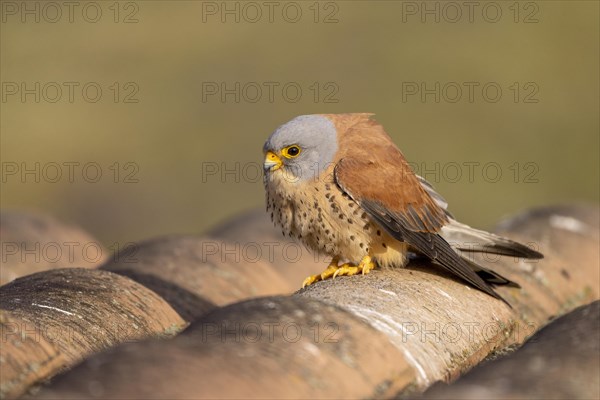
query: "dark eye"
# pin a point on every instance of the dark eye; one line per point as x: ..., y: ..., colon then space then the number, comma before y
x: 291, y: 151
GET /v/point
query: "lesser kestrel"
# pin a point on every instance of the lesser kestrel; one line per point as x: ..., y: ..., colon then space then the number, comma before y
x: 339, y: 184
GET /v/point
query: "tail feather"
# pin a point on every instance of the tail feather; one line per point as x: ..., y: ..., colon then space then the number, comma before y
x: 466, y: 239
x: 488, y: 275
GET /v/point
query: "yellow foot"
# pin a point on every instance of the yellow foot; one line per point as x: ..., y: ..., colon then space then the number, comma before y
x: 333, y: 270
x: 365, y: 266
x: 328, y: 273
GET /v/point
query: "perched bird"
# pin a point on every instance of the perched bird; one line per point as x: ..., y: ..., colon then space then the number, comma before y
x: 339, y: 184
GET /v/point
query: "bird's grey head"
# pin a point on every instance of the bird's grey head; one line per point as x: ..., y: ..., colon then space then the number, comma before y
x: 303, y: 147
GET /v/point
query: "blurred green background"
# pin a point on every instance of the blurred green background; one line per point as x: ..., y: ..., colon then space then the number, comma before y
x: 365, y: 56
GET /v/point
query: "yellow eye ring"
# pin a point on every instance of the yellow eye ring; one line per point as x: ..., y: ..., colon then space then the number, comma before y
x: 292, y: 151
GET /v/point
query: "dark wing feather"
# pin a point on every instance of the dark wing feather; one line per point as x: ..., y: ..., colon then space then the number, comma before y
x: 387, y: 189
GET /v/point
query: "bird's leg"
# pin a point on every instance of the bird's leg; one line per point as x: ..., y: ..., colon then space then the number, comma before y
x: 365, y: 266
x: 328, y: 273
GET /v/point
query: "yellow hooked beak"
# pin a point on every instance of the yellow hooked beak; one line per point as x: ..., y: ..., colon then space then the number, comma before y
x: 272, y: 162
